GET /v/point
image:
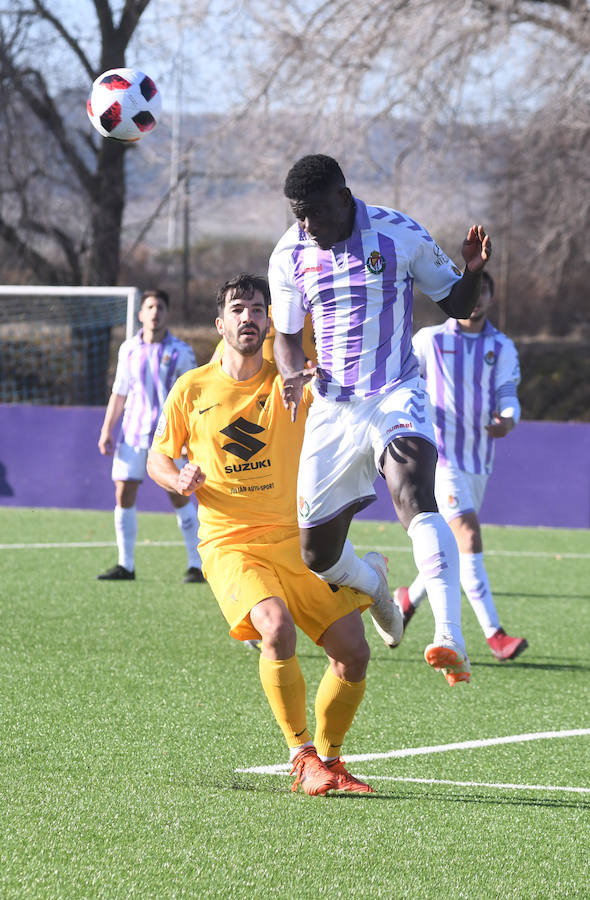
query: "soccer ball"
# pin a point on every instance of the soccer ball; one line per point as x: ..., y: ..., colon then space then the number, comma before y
x: 124, y: 104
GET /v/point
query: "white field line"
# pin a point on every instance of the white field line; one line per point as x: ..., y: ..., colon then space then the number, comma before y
x: 484, y: 784
x: 72, y: 545
x: 284, y: 768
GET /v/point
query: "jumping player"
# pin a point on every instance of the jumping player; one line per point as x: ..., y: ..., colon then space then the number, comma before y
x: 354, y: 267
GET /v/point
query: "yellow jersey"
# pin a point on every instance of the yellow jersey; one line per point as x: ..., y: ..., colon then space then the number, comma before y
x: 241, y: 436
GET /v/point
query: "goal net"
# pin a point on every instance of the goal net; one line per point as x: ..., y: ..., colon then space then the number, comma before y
x: 58, y: 345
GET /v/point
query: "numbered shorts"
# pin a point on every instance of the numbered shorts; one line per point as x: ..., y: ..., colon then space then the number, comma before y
x: 458, y: 492
x: 343, y: 444
x: 130, y: 463
x: 241, y: 575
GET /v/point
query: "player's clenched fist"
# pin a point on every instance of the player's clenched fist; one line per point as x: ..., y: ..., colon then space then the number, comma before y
x: 190, y: 479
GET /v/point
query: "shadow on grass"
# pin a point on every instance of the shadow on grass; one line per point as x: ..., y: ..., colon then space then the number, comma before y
x: 549, y: 665
x: 419, y: 795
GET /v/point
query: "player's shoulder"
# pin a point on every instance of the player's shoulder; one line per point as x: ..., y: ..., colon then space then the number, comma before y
x: 500, y: 336
x: 392, y: 221
x: 291, y: 240
x: 427, y: 334
x: 130, y: 343
x: 178, y: 342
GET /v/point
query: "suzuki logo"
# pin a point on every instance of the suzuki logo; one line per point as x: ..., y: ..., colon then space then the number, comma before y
x: 242, y: 443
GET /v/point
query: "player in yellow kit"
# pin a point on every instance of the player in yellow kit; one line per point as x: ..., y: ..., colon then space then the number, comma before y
x: 307, y: 342
x: 243, y: 455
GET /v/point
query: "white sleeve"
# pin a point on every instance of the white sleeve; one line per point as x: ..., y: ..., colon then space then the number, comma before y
x: 121, y: 382
x: 288, y: 312
x: 434, y: 273
x: 186, y: 360
x: 508, y: 380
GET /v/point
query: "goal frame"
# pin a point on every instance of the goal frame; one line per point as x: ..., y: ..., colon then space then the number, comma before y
x: 133, y: 295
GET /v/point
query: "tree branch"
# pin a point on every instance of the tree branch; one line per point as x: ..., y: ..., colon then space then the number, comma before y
x: 68, y: 38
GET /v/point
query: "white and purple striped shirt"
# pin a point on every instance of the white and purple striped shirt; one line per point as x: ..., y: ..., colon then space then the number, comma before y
x: 145, y: 373
x: 360, y: 294
x: 468, y: 377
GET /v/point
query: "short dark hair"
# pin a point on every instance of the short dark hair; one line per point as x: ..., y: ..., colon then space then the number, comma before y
x: 244, y: 287
x: 487, y: 278
x: 158, y: 294
x: 311, y: 174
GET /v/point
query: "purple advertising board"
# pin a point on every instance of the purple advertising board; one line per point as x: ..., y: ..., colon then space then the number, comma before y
x: 49, y: 458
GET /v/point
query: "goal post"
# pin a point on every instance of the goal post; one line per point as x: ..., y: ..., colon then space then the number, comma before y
x: 57, y: 344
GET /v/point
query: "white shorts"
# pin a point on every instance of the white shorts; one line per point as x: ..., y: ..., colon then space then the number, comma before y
x: 343, y: 444
x: 130, y: 463
x: 458, y: 492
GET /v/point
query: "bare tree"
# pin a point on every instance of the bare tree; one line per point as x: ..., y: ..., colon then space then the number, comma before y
x: 62, y: 190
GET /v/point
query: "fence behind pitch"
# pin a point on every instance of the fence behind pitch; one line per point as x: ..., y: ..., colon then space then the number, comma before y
x: 55, y: 342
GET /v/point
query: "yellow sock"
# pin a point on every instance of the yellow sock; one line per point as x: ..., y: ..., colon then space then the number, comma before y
x: 336, y: 703
x: 284, y: 687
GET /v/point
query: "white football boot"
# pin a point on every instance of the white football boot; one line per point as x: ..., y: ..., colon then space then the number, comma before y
x: 387, y: 616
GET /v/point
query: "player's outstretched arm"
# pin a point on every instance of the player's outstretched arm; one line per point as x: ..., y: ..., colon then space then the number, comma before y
x: 162, y: 469
x: 476, y: 251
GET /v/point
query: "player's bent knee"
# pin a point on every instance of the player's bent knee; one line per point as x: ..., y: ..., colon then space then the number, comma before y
x: 273, y: 621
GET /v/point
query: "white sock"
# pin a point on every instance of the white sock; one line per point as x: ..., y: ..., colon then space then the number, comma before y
x: 352, y: 571
x: 293, y: 751
x: 126, y: 532
x: 417, y: 591
x: 476, y: 584
x: 188, y: 523
x: 437, y: 559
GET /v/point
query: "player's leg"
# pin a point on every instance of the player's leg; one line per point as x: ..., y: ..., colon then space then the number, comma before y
x: 284, y: 686
x: 125, y: 516
x: 126, y: 521
x: 188, y: 524
x: 128, y: 471
x: 340, y: 693
x: 335, y: 481
x: 476, y: 584
x: 408, y: 465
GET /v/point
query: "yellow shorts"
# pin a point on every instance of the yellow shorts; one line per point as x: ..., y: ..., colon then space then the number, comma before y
x: 241, y: 575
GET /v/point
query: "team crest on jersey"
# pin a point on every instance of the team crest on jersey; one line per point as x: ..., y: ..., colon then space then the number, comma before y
x: 262, y: 400
x: 452, y: 501
x: 303, y: 507
x: 456, y: 270
x: 375, y: 262
x: 490, y: 358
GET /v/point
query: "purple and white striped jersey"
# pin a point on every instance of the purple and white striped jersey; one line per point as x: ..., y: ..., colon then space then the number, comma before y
x: 360, y: 295
x: 145, y: 373
x: 468, y: 377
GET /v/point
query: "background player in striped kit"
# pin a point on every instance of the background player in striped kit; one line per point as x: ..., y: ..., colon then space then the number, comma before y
x: 354, y: 266
x: 472, y: 374
x: 148, y: 365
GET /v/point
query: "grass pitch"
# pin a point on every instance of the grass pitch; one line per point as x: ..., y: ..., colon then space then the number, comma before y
x: 139, y: 759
